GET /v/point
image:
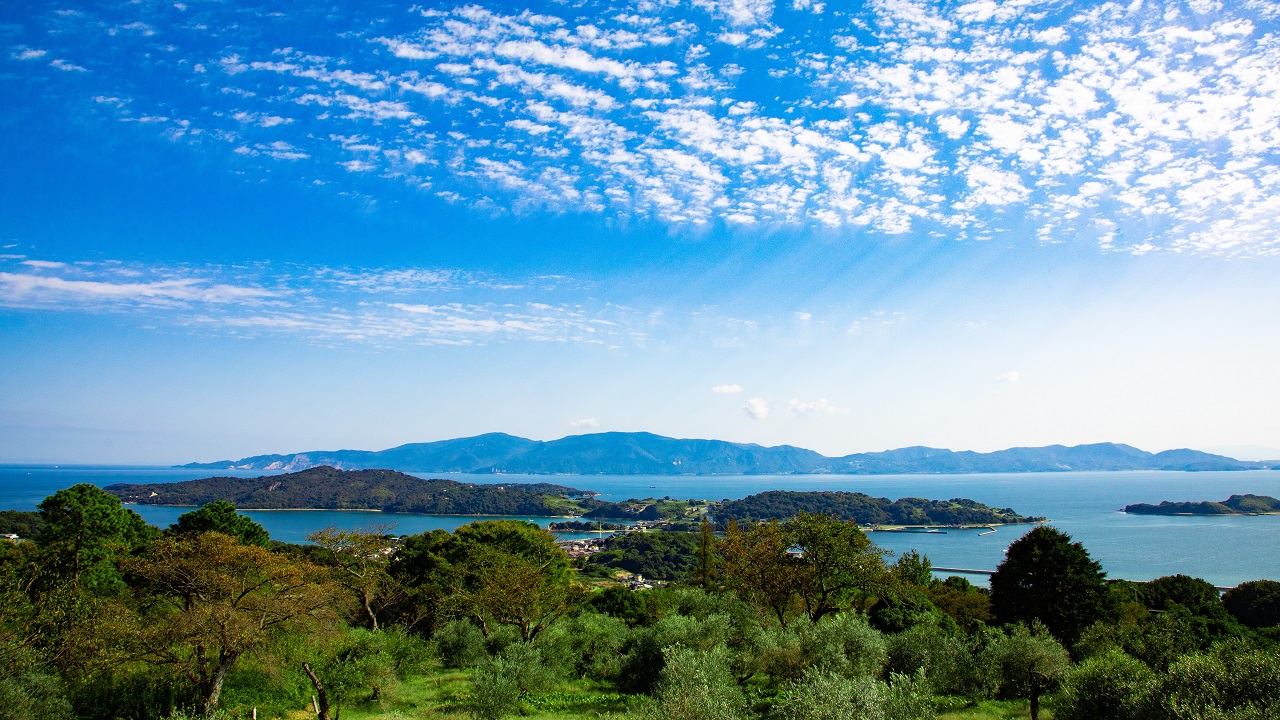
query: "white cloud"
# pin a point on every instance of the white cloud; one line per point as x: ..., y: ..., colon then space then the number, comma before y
x: 757, y: 408
x: 1010, y: 376
x: 732, y: 389
x: 26, y: 53
x: 65, y: 66
x: 821, y: 406
x: 584, y: 423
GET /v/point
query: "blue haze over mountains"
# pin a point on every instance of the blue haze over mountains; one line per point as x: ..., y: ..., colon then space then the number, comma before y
x: 639, y: 453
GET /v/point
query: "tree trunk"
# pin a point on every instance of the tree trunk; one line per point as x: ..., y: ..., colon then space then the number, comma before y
x: 1035, y: 706
x: 322, y: 695
x: 368, y: 610
x: 214, y: 688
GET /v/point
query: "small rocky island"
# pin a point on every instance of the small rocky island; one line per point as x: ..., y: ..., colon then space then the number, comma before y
x: 1234, y: 505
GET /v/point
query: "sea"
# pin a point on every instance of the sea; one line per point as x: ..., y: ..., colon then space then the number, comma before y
x: 1087, y: 505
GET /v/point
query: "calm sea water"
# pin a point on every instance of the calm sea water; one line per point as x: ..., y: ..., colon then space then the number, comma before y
x: 1224, y: 551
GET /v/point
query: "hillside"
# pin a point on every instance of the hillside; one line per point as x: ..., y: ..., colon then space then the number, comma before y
x: 333, y: 489
x: 617, y: 453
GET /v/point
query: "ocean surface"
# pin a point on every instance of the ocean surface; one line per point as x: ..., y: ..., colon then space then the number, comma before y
x: 1223, y: 550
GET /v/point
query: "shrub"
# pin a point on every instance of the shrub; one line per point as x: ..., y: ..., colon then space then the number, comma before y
x: 1231, y: 685
x: 584, y: 646
x: 928, y: 649
x: 1255, y: 604
x: 696, y: 685
x: 910, y: 698
x: 495, y: 690
x: 845, y: 644
x: 824, y: 695
x: 1111, y: 686
x: 460, y: 644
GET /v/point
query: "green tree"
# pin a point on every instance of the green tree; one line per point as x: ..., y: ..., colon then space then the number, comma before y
x: 696, y: 685
x: 1047, y: 577
x: 214, y: 600
x: 759, y: 566
x: 85, y: 531
x: 837, y: 563
x: 1191, y: 593
x: 221, y: 516
x: 706, y: 569
x: 360, y: 560
x: 1030, y: 663
x: 1255, y: 603
x: 1111, y: 686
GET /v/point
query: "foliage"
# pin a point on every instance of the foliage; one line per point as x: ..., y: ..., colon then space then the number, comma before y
x: 214, y: 600
x: 657, y: 555
x: 1189, y: 592
x: 221, y: 516
x: 1255, y: 603
x: 1029, y: 662
x: 460, y: 644
x: 941, y: 657
x: 28, y: 690
x: 696, y: 685
x: 822, y: 695
x: 812, y: 563
x: 969, y: 606
x: 21, y: 523
x: 1047, y: 577
x: 1112, y: 686
x: 587, y: 645
x: 1228, y: 685
x: 359, y: 559
x: 84, y: 530
x: 496, y: 690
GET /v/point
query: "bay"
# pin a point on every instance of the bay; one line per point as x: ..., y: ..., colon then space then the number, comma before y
x: 1222, y: 550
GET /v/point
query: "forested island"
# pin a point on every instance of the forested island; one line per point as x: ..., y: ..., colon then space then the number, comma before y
x: 326, y: 488
x: 1234, y: 505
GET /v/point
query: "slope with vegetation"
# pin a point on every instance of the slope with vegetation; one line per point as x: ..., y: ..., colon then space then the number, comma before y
x: 104, y: 617
x: 867, y: 510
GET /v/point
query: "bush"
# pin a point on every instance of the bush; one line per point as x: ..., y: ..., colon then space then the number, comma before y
x: 495, y: 690
x: 910, y: 698
x: 696, y: 685
x: 824, y: 695
x: 845, y: 644
x: 1255, y: 604
x: 1111, y: 686
x: 460, y: 644
x: 1229, y: 685
x: 928, y: 649
x: 584, y: 646
x: 523, y: 662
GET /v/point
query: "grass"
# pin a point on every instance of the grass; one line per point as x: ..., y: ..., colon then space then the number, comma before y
x: 443, y: 695
x: 958, y: 709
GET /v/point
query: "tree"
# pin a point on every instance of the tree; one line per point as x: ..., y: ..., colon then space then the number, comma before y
x: 837, y: 562
x: 1191, y: 593
x: 497, y: 572
x: 1047, y: 577
x: 1031, y: 663
x: 706, y: 569
x: 758, y: 565
x: 1255, y: 603
x: 360, y: 559
x: 221, y: 516
x: 214, y: 600
x: 85, y: 531
x: 1111, y: 686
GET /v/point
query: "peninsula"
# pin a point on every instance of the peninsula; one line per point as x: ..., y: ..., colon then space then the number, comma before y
x: 327, y: 488
x: 639, y: 453
x: 1234, y: 505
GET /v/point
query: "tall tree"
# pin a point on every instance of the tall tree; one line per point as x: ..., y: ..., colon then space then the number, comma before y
x: 85, y: 531
x: 706, y: 569
x: 758, y: 564
x: 837, y: 563
x: 221, y: 516
x: 1047, y: 577
x: 360, y: 559
x: 214, y: 600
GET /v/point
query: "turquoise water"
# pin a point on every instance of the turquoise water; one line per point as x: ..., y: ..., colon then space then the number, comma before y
x: 1224, y: 551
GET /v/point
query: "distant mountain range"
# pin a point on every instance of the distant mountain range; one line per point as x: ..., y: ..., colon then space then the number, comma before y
x: 618, y: 453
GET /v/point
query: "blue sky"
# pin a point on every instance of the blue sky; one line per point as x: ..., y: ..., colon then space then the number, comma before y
x: 230, y: 228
